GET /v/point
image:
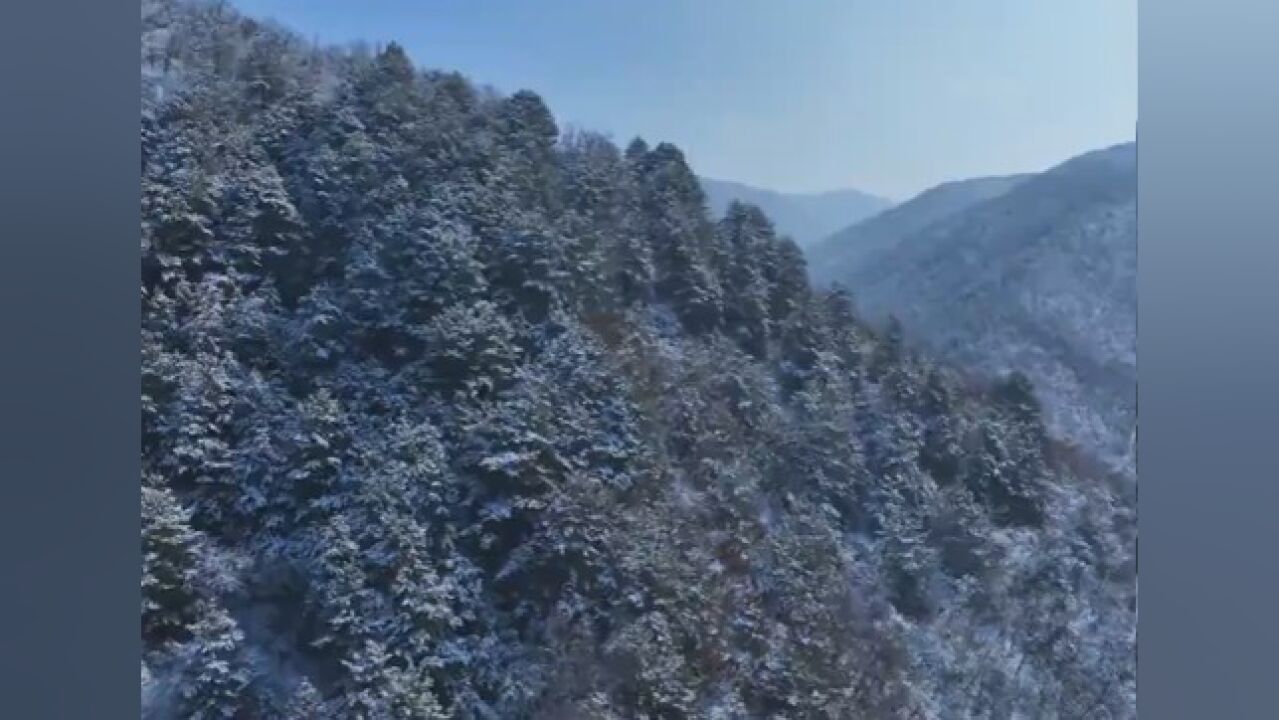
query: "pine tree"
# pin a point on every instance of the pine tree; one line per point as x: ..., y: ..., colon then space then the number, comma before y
x: 380, y: 689
x: 470, y: 348
x: 527, y: 131
x: 216, y: 687
x: 745, y: 238
x: 304, y: 703
x: 170, y: 564
x: 679, y: 234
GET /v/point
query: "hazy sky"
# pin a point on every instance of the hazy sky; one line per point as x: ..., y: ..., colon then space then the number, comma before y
x: 886, y: 96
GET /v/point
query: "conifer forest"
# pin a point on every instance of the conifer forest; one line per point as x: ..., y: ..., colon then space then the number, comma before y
x: 451, y: 412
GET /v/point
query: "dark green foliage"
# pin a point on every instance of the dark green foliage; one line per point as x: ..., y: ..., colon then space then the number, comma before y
x: 746, y: 235
x: 673, y: 213
x: 446, y: 415
x: 169, y: 568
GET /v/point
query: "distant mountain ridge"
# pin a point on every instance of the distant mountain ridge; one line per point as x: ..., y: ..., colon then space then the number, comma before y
x: 837, y: 254
x: 805, y: 217
x: 1040, y: 278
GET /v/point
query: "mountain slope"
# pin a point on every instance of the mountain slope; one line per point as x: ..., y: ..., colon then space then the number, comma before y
x: 837, y: 255
x: 446, y: 414
x: 1040, y: 279
x: 805, y: 217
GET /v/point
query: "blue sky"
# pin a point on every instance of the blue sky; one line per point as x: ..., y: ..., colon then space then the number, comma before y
x: 886, y: 96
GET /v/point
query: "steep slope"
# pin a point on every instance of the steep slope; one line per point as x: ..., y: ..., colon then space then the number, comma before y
x: 1041, y: 279
x: 448, y: 415
x: 835, y: 258
x: 805, y: 217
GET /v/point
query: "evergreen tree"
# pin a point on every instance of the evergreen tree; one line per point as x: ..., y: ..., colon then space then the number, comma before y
x: 674, y: 210
x: 215, y: 688
x: 170, y: 565
x: 746, y: 236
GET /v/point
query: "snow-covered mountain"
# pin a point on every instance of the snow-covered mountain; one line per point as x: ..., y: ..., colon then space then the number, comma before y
x: 834, y: 257
x: 447, y: 414
x: 1040, y: 278
x: 805, y: 217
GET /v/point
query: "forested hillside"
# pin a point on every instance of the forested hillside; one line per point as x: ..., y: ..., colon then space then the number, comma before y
x: 1040, y: 278
x: 448, y: 414
x: 836, y: 258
